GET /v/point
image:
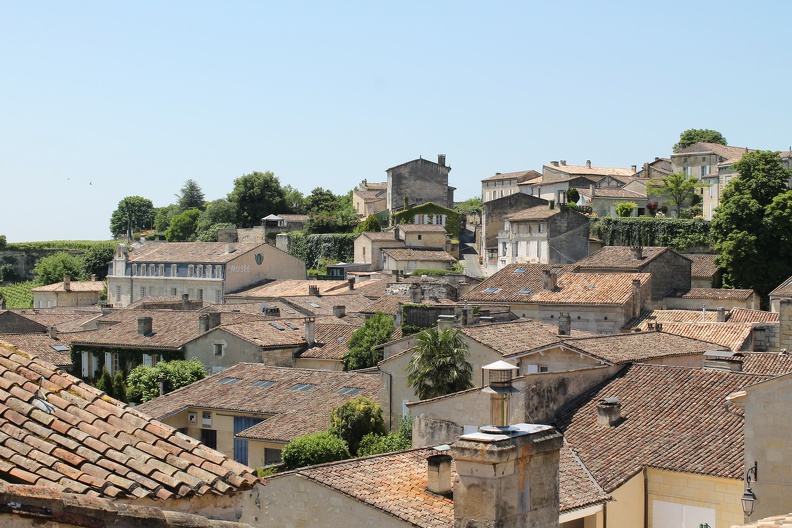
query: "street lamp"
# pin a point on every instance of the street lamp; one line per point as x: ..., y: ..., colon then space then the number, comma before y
x: 748, y: 498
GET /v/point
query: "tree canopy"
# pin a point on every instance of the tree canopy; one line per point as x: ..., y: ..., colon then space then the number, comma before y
x: 356, y: 418
x: 97, y: 258
x: 752, y: 227
x: 370, y: 224
x: 134, y: 213
x: 698, y: 135
x: 678, y: 187
x: 316, y: 448
x: 255, y: 196
x: 183, y: 226
x: 375, y: 331
x: 49, y: 270
x: 143, y: 381
x: 191, y: 196
x: 439, y: 364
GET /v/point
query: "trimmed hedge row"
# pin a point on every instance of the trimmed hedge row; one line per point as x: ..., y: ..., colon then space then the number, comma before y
x: 646, y: 231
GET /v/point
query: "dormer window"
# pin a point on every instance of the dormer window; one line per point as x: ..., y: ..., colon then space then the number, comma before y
x: 174, y: 270
x: 190, y: 270
x: 161, y: 271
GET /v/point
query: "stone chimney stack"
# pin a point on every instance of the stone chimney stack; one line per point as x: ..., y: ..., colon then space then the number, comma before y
x: 67, y: 282
x: 339, y: 311
x: 313, y: 290
x: 208, y: 321
x: 416, y: 295
x: 441, y: 159
x: 507, y: 479
x: 564, y: 324
x: 591, y: 190
x: 93, y: 277
x: 563, y: 163
x: 634, y: 168
x: 185, y: 301
x: 144, y: 326
x: 554, y: 163
x: 588, y: 164
x: 53, y: 332
x: 636, y: 297
x: 550, y: 279
x: 395, y: 274
x: 310, y: 330
x: 646, y: 170
x: 351, y: 283
x: 439, y: 474
x: 721, y: 315
x: 636, y: 252
x: 608, y: 412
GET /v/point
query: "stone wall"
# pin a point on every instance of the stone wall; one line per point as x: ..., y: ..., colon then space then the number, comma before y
x: 567, y: 237
x: 494, y: 212
x: 24, y: 261
x: 785, y: 327
x: 420, y: 181
x: 429, y: 290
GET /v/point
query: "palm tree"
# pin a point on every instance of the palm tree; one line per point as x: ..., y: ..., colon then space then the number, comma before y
x: 439, y: 364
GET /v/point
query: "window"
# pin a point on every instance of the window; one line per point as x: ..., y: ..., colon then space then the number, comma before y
x: 263, y: 383
x: 142, y: 291
x: 190, y: 270
x: 687, y: 171
x: 152, y: 270
x: 302, y: 387
x: 174, y: 270
x: 209, y: 438
x: 351, y: 391
x: 161, y: 271
x: 272, y: 456
x: 704, y: 170
x: 419, y: 237
x: 200, y: 294
x: 229, y: 381
x: 218, y: 349
x: 541, y: 228
x: 218, y: 272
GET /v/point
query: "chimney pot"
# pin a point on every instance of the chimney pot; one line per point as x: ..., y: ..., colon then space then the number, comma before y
x: 636, y: 252
x: 441, y: 159
x: 588, y: 164
x: 608, y: 412
x: 53, y: 332
x: 554, y: 163
x: 339, y: 311
x: 439, y: 474
x: 67, y: 282
x: 395, y: 275
x: 351, y: 283
x: 310, y: 330
x: 144, y: 326
x: 185, y: 301
x: 93, y: 277
x: 313, y: 290
x: 721, y: 315
x: 563, y: 163
x: 634, y: 168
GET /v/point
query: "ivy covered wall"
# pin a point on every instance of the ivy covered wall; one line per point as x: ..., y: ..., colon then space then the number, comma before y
x: 644, y: 231
x: 312, y: 249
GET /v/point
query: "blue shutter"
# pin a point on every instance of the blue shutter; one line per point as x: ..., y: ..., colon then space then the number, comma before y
x: 240, y: 444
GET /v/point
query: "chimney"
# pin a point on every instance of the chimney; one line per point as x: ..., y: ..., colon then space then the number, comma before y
x: 636, y: 297
x: 441, y: 159
x: 416, y: 295
x: 588, y: 164
x: 67, y: 282
x: 351, y: 283
x: 721, y: 315
x: 636, y: 252
x: 229, y: 248
x: 185, y: 301
x: 144, y: 326
x: 339, y: 311
x: 445, y: 322
x: 564, y: 324
x: 659, y: 327
x: 208, y: 321
x: 439, y: 474
x: 53, y: 332
x: 646, y: 170
x: 563, y: 163
x: 550, y: 279
x: 310, y: 330
x: 554, y: 163
x: 608, y: 412
x: 395, y: 275
x: 634, y: 168
x: 313, y: 290
x: 591, y: 190
x: 93, y: 277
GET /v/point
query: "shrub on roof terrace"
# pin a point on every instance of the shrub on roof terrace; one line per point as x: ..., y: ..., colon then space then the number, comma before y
x: 316, y: 448
x: 643, y: 231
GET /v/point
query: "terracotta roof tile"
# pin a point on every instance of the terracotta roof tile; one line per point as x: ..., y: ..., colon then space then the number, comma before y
x: 582, y: 170
x: 515, y: 337
x: 744, y: 315
x: 74, y: 286
x: 728, y: 152
x: 306, y: 409
x: 620, y: 257
x: 733, y: 336
x: 539, y: 212
x: 515, y: 283
x: 716, y: 294
x: 420, y: 255
x: 670, y: 316
x: 297, y: 288
x: 663, y: 409
x: 79, y: 447
x: 771, y: 363
x: 641, y: 346
x: 704, y: 266
x: 191, y: 252
x: 422, y: 228
x: 520, y: 176
x: 783, y: 290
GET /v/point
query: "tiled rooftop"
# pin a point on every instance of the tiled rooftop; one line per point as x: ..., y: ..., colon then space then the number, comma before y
x: 332, y: 342
x: 539, y: 212
x: 352, y: 301
x: 673, y: 418
x: 63, y: 319
x: 744, y: 315
x: 520, y: 176
x: 783, y: 290
x: 191, y: 252
x: 771, y: 363
x: 732, y: 336
x: 515, y: 282
x: 615, y: 192
x: 74, y: 286
x: 297, y: 288
x: 420, y: 255
x: 380, y: 235
x: 640, y: 346
x: 422, y: 228
x: 670, y: 316
x: 592, y: 171
x: 591, y: 288
x: 92, y: 444
x: 517, y: 336
x: 52, y: 350
x: 296, y: 412
x: 620, y: 257
x: 729, y: 153
x: 716, y: 294
x: 703, y: 265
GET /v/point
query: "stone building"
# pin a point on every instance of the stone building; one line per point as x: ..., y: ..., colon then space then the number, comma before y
x: 419, y: 181
x: 505, y: 184
x: 202, y: 270
x: 370, y: 198
x: 493, y: 215
x: 68, y: 293
x: 543, y: 235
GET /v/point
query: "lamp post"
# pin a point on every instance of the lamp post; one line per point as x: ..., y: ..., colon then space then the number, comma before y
x: 749, y: 498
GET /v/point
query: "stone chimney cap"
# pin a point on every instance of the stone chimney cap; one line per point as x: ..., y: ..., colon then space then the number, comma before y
x: 500, y: 365
x: 610, y: 400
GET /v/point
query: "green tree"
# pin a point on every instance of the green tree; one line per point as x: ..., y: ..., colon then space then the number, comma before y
x: 133, y: 214
x: 316, y: 448
x: 183, y: 226
x: 294, y: 200
x: 210, y: 233
x: 356, y: 418
x: 49, y: 270
x: 374, y: 444
x: 143, y: 381
x: 625, y: 209
x: 105, y: 382
x: 370, y: 224
x: 321, y: 199
x: 119, y: 387
x: 97, y: 258
x: 328, y: 213
x: 375, y: 331
x: 678, y: 187
x: 256, y: 195
x: 217, y: 212
x: 752, y: 227
x: 470, y: 207
x: 439, y: 363
x: 3, y: 241
x: 191, y: 196
x: 698, y: 135
x: 572, y: 195
x: 163, y: 217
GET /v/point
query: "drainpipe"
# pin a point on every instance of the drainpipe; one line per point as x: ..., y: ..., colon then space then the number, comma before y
x: 646, y: 497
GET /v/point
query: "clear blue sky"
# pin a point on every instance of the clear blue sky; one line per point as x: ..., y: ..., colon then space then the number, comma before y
x: 106, y: 99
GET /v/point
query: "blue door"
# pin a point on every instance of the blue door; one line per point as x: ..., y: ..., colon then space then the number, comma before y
x: 240, y: 444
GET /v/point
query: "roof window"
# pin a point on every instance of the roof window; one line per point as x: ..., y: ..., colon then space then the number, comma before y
x: 351, y: 391
x: 229, y: 381
x: 491, y: 290
x: 263, y: 383
x: 302, y: 387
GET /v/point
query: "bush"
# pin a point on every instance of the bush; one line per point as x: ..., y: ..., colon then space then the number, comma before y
x: 375, y: 331
x: 356, y: 418
x: 143, y: 381
x: 316, y: 448
x: 105, y: 382
x: 119, y: 387
x: 625, y: 209
x: 3, y: 241
x: 658, y: 231
x: 50, y: 270
x: 374, y: 444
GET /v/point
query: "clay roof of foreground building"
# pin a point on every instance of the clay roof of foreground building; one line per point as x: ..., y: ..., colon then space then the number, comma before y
x: 191, y: 252
x: 745, y: 315
x: 733, y: 336
x: 520, y: 176
x: 663, y: 409
x: 539, y: 212
x: 515, y: 282
x: 715, y: 294
x: 74, y: 287
x: 730, y: 154
x: 53, y: 350
x: 514, y: 337
x: 704, y: 266
x: 60, y: 432
x: 783, y: 290
x: 772, y: 363
x: 422, y: 228
x: 419, y: 255
x: 620, y: 257
x: 642, y: 346
x: 582, y: 170
x: 298, y: 288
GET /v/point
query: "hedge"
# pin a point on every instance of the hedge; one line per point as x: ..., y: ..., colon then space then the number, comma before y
x: 646, y: 231
x: 314, y: 249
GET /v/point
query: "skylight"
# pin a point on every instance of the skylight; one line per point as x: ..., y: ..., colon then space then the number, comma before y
x: 342, y: 338
x: 292, y: 326
x: 313, y: 304
x: 279, y: 327
x: 302, y: 387
x: 351, y: 391
x: 263, y: 383
x: 60, y: 348
x: 229, y: 381
x: 519, y: 270
x: 525, y: 291
x: 492, y: 290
